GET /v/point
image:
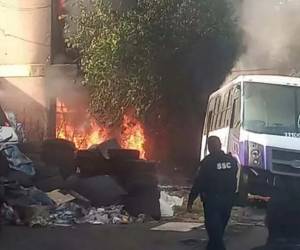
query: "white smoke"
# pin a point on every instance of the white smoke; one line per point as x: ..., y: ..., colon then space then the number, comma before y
x: 63, y: 82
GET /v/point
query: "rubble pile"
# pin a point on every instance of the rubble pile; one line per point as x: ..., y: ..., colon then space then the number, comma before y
x: 67, y: 214
x: 54, y: 184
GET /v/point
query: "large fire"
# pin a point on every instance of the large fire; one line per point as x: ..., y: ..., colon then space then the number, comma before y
x: 87, y: 133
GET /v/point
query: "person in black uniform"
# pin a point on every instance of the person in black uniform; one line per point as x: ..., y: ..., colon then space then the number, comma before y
x: 216, y: 183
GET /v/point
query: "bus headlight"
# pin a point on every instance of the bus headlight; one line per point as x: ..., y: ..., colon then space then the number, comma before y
x: 256, y: 153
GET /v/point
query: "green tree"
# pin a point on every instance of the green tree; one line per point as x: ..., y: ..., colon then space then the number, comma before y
x: 138, y: 57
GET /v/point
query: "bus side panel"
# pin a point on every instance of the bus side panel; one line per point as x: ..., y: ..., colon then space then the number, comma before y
x: 223, y: 134
x: 203, y: 147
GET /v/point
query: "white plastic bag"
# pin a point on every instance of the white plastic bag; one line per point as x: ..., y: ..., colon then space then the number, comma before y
x: 167, y: 204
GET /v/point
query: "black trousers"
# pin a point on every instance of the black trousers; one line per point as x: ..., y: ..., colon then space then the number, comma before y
x: 217, y: 211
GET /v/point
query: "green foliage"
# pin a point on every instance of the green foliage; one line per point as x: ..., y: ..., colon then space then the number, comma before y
x: 125, y: 52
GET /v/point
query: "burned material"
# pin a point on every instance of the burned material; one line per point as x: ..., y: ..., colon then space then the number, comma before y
x: 137, y: 177
x: 60, y: 153
x: 103, y: 176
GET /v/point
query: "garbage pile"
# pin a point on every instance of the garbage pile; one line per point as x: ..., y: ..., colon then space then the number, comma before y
x: 32, y: 207
x: 54, y: 184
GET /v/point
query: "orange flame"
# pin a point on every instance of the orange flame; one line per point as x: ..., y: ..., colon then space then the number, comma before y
x: 83, y: 135
x: 90, y: 133
x: 133, y: 136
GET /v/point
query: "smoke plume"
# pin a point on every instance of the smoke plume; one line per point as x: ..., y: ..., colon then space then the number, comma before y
x: 64, y: 83
x: 271, y: 35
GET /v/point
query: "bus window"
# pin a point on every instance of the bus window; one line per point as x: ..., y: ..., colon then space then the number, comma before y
x: 229, y: 99
x: 211, y: 127
x: 227, y: 117
x: 213, y: 120
x: 271, y: 109
x: 221, y: 108
x: 211, y: 104
x: 225, y: 107
x: 235, y: 117
x: 216, y: 113
x: 229, y: 109
x: 221, y: 123
x: 208, y: 120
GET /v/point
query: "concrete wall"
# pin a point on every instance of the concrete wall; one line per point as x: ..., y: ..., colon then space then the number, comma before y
x: 26, y: 97
x: 25, y: 31
x: 25, y: 37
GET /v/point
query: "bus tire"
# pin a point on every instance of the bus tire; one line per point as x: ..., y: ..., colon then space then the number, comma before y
x: 243, y: 189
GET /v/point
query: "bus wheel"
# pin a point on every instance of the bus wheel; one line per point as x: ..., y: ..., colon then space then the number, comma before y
x: 243, y: 190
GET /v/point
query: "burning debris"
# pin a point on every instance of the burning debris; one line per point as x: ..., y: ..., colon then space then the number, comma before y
x: 83, y: 135
x: 88, y: 132
x: 104, y: 173
x: 106, y: 193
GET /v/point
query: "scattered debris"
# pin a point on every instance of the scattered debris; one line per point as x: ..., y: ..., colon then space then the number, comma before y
x: 117, y: 188
x: 34, y: 215
x: 109, y: 215
x: 17, y: 160
x: 104, y: 147
x: 10, y: 215
x: 59, y: 198
x: 19, y: 196
x: 102, y: 191
x: 66, y: 214
x: 180, y: 212
x: 167, y: 204
x: 18, y: 127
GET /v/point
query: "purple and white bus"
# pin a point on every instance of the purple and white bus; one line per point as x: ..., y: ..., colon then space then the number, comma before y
x: 257, y: 118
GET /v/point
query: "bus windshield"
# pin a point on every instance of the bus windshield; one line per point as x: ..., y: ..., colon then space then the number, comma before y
x: 271, y: 109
